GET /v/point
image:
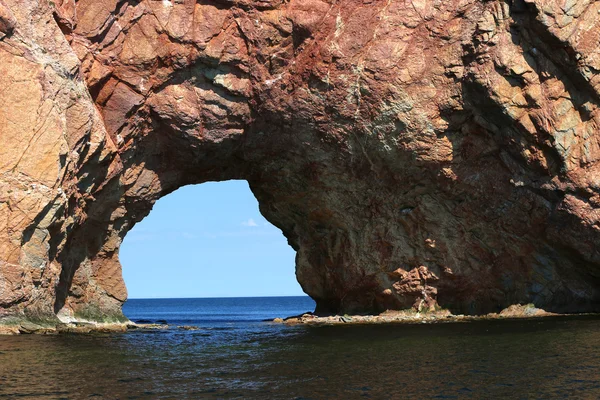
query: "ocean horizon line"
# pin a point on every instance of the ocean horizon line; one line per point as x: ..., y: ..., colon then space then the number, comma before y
x: 216, y: 297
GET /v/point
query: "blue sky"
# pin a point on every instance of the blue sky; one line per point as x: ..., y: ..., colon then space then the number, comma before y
x: 208, y: 240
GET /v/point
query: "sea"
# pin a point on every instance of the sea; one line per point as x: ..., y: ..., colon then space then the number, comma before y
x: 235, y: 352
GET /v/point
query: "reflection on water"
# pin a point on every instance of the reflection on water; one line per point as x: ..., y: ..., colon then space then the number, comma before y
x: 548, y: 358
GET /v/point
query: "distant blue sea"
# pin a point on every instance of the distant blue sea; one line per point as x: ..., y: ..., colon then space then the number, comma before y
x: 213, y: 312
x: 234, y: 354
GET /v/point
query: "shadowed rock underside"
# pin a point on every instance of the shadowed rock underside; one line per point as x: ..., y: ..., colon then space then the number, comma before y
x: 416, y: 154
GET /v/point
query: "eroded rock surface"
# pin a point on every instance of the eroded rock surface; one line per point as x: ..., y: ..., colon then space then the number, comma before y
x: 418, y: 153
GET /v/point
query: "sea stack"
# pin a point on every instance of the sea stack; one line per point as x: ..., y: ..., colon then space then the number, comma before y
x: 419, y: 154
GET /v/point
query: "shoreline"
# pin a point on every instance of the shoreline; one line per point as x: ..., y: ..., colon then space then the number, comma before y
x: 411, y: 317
x: 406, y: 317
x: 77, y: 327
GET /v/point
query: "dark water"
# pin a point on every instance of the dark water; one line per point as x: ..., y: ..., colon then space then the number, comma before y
x: 235, y: 355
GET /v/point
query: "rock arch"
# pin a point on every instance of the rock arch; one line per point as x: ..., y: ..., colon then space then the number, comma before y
x: 415, y: 154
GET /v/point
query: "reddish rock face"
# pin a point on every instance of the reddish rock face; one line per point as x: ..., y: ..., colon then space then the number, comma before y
x: 421, y: 153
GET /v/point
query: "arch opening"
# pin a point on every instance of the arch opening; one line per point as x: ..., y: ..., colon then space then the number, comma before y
x: 207, y: 240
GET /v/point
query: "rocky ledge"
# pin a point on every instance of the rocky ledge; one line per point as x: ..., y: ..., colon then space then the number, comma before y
x: 28, y: 327
x: 18, y: 327
x: 415, y: 154
x: 432, y: 316
x: 415, y: 317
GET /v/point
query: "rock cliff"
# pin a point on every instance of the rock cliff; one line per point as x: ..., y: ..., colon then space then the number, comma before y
x: 416, y: 154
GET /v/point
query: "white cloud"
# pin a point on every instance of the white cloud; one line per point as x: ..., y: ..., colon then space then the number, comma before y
x: 250, y: 222
x: 188, y: 235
